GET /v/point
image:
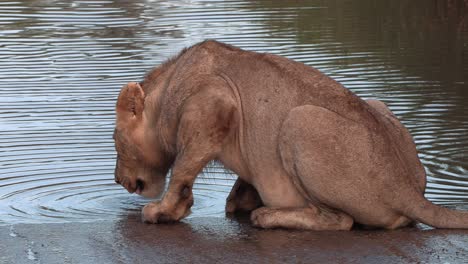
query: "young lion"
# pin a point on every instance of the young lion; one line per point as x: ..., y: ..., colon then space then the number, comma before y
x: 319, y: 157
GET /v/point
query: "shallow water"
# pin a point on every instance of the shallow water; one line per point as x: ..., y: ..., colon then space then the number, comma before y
x: 62, y: 64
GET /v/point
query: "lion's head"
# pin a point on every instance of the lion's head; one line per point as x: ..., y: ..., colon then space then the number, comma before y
x: 141, y: 164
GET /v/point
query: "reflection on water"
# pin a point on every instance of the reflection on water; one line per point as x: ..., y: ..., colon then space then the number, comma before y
x: 62, y: 64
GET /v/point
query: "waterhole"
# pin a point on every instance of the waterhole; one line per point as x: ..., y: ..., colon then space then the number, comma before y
x: 62, y: 64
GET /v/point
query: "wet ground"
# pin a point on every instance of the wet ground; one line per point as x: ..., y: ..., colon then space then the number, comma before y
x: 62, y: 64
x: 222, y: 240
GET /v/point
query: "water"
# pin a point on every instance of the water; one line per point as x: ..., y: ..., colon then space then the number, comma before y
x: 62, y: 64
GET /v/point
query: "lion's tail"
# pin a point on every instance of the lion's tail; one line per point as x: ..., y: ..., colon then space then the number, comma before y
x: 428, y: 213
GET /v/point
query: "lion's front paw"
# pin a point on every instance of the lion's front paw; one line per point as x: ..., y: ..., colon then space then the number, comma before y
x: 154, y: 213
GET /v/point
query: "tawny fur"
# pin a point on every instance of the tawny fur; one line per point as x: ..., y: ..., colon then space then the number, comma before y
x: 306, y: 149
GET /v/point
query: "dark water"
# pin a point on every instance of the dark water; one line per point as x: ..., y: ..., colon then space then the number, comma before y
x: 62, y: 64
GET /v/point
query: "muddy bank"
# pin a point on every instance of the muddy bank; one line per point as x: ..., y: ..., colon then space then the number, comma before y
x: 222, y: 240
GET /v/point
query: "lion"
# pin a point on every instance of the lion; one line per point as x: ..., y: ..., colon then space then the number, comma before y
x: 309, y: 154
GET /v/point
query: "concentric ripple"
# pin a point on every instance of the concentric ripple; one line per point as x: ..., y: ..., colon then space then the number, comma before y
x: 62, y: 64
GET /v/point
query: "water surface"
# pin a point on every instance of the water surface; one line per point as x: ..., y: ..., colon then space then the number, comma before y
x: 62, y: 64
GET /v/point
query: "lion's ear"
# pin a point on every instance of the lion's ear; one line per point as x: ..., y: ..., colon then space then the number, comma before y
x: 131, y: 102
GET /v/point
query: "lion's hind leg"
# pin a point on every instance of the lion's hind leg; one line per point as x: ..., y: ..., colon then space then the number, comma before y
x: 308, y: 218
x: 243, y: 198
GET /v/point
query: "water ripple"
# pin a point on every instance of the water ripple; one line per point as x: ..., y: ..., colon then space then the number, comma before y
x: 62, y: 64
